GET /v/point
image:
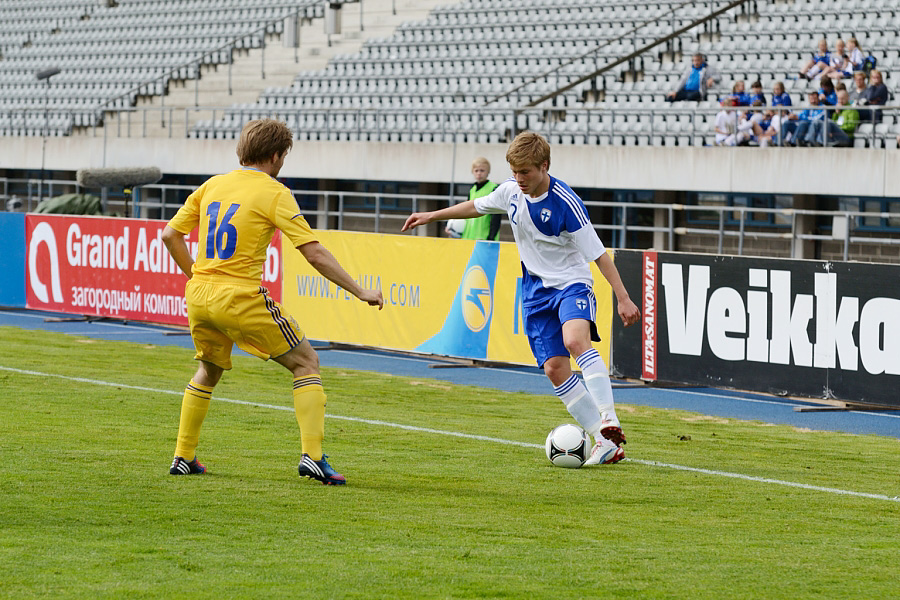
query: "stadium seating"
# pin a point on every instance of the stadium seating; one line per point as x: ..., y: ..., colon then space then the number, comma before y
x: 111, y: 53
x: 467, y: 72
x: 454, y: 64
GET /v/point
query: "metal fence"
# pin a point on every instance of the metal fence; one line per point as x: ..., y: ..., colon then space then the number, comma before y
x: 386, y: 212
x: 628, y: 125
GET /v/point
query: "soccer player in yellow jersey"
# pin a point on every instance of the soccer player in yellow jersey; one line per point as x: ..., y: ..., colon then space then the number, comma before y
x: 237, y: 214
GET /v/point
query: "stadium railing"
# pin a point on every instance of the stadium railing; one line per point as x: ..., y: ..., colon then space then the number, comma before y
x: 385, y: 213
x: 636, y: 125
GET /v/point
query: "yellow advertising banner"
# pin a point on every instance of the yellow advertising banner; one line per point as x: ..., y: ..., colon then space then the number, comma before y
x: 446, y: 297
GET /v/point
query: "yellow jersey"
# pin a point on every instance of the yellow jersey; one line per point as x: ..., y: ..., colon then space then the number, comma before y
x: 238, y: 213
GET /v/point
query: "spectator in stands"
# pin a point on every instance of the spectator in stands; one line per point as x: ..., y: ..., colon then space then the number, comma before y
x: 485, y: 227
x: 859, y: 86
x: 751, y: 122
x: 855, y: 54
x: 764, y: 130
x: 756, y: 93
x: 874, y: 95
x: 780, y: 99
x: 839, y: 128
x: 827, y: 94
x: 812, y: 115
x: 818, y: 62
x: 839, y: 65
x: 769, y: 136
x: 738, y: 96
x: 695, y: 81
x: 726, y: 124
x: 779, y: 96
x: 795, y: 125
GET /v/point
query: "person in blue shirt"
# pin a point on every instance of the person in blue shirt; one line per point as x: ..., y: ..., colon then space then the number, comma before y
x: 779, y: 96
x: 827, y: 93
x: 780, y: 100
x: 818, y: 63
x: 795, y: 126
x: 755, y: 98
x: 756, y: 93
x: 738, y: 96
x: 695, y: 81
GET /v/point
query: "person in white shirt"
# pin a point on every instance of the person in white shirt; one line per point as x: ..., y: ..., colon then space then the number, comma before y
x: 556, y: 244
x: 839, y: 65
x: 855, y: 54
x: 726, y: 124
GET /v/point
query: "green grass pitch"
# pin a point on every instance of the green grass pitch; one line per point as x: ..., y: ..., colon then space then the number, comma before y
x: 87, y: 509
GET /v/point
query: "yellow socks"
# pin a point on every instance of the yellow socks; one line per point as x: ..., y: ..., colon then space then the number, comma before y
x: 309, y: 406
x: 193, y: 411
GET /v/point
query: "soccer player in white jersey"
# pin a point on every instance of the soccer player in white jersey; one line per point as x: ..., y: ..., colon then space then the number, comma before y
x: 557, y: 243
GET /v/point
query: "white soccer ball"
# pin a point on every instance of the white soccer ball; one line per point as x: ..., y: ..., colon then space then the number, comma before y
x: 455, y: 228
x: 568, y: 446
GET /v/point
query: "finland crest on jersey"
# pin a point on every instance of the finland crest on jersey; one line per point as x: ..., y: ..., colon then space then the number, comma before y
x: 554, y: 235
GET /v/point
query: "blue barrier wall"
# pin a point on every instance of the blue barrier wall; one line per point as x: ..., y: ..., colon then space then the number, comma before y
x: 12, y: 260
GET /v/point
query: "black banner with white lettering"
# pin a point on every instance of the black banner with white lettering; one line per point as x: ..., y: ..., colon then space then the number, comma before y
x: 789, y: 327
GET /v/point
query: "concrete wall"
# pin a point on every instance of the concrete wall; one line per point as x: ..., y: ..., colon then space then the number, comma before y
x: 833, y: 171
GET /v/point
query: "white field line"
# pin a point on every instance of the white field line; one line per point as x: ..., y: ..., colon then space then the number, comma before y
x: 469, y: 436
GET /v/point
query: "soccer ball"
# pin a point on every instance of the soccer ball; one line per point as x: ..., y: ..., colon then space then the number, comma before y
x: 568, y: 446
x: 455, y: 227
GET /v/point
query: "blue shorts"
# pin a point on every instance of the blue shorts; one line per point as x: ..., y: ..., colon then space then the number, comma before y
x: 543, y: 322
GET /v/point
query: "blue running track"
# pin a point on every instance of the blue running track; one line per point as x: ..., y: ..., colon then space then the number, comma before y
x: 708, y: 401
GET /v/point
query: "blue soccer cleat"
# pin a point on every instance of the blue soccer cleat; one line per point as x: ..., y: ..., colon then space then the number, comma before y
x: 320, y: 470
x: 183, y: 467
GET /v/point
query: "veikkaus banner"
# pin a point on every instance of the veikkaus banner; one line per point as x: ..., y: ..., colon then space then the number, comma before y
x: 788, y: 327
x: 111, y: 267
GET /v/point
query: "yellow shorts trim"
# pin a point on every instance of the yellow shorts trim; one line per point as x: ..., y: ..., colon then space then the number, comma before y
x: 223, y: 314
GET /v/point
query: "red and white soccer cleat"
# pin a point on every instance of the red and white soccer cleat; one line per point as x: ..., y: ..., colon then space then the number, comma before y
x: 605, y: 452
x: 611, y: 430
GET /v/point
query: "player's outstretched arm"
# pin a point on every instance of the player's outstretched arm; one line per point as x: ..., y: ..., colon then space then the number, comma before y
x: 628, y: 310
x: 463, y: 210
x: 325, y: 263
x: 177, y: 247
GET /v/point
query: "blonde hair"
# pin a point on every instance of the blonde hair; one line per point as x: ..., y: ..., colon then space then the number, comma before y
x: 528, y: 149
x: 482, y: 162
x: 262, y: 139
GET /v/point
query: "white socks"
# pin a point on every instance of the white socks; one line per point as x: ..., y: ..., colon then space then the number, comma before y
x: 596, y: 379
x: 580, y: 404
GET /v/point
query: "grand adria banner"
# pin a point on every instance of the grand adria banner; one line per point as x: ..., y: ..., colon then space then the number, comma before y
x: 789, y: 327
x: 111, y: 267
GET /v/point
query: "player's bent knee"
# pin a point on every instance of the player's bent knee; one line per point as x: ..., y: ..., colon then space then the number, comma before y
x: 577, y: 347
x: 557, y: 369
x: 300, y: 360
x: 208, y: 373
